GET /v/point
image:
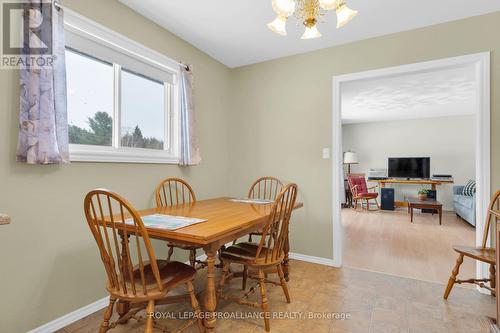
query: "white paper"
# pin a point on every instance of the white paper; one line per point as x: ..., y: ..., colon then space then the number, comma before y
x: 167, y: 222
x: 253, y: 201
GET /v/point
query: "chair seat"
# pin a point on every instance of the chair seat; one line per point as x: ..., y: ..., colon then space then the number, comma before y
x: 246, y: 252
x: 172, y: 274
x: 367, y: 195
x: 487, y: 255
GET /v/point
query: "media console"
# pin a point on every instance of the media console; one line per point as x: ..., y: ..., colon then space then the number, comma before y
x: 434, y: 183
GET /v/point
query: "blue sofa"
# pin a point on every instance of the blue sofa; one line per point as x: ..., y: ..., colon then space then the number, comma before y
x: 464, y: 205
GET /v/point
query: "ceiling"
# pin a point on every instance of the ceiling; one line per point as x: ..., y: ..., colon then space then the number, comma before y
x: 235, y: 32
x: 442, y: 93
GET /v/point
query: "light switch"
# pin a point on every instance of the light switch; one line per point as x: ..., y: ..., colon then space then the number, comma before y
x: 326, y: 153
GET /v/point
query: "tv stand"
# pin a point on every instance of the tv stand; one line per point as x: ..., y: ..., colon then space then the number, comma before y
x: 410, y: 181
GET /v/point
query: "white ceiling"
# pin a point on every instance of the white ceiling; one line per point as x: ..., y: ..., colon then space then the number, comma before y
x: 442, y: 93
x: 235, y: 32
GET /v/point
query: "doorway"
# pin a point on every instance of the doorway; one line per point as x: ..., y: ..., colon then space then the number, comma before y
x: 481, y: 65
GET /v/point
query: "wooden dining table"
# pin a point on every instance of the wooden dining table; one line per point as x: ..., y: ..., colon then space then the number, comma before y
x: 226, y: 220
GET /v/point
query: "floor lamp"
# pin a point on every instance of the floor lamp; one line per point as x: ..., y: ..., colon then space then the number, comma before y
x: 350, y: 157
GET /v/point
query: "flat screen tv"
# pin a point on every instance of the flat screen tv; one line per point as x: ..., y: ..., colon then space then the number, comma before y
x: 409, y: 167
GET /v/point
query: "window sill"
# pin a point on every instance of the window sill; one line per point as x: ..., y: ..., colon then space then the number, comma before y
x: 99, y: 154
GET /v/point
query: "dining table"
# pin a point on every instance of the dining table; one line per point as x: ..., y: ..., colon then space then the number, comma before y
x: 226, y: 220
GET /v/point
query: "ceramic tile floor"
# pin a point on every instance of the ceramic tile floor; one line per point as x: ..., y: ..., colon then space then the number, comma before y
x: 373, y: 302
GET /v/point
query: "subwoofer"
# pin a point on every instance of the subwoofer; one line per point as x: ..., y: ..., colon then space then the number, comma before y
x: 387, y: 199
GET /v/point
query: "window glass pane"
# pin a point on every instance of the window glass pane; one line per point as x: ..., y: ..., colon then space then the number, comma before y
x: 142, y: 111
x: 90, y: 99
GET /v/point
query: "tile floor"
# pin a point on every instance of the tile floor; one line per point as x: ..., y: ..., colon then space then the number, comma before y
x: 374, y: 302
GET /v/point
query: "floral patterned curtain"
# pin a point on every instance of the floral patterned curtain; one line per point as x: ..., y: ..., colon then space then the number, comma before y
x: 43, y: 125
x: 189, y: 150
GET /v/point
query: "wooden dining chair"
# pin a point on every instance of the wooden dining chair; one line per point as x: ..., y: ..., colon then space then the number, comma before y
x: 360, y: 191
x: 267, y: 254
x: 136, y: 279
x: 483, y: 253
x: 173, y: 192
x: 264, y: 188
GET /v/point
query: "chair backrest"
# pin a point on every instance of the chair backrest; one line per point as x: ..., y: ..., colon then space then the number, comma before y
x: 174, y: 191
x: 494, y: 205
x: 123, y: 242
x: 275, y: 232
x: 265, y: 188
x: 357, y: 183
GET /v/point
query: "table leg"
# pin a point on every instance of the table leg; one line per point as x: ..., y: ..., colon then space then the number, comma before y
x: 286, y: 261
x: 411, y: 214
x: 210, y: 296
x: 440, y: 214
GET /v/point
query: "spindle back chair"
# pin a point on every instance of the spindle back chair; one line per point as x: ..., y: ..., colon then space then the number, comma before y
x: 124, y: 223
x: 172, y: 192
x: 483, y: 253
x: 134, y: 274
x: 267, y: 254
x: 265, y: 188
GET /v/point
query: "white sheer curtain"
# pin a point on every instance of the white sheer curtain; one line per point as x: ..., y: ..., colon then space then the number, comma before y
x: 189, y: 150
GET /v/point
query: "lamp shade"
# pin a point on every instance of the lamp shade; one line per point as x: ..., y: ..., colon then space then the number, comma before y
x: 350, y: 157
x: 328, y: 4
x: 311, y: 33
x: 344, y: 15
x: 278, y: 25
x: 284, y: 7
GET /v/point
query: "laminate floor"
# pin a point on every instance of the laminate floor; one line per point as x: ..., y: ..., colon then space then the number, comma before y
x: 386, y: 242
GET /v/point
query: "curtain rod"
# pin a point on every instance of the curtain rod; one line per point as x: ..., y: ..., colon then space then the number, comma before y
x: 60, y: 7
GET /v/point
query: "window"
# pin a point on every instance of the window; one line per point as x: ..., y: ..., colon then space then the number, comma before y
x: 122, y: 97
x: 143, y: 112
x: 90, y: 99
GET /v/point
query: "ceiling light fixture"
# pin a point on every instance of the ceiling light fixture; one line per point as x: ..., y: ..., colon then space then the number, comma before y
x: 309, y: 12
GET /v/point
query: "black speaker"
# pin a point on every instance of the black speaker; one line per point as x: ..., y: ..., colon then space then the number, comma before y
x: 431, y: 195
x: 387, y: 198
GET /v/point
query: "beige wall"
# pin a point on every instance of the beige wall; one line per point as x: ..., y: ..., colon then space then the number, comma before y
x: 282, y: 112
x: 272, y: 118
x: 450, y: 142
x: 49, y: 261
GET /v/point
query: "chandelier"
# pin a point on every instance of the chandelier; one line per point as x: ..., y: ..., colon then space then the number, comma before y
x: 309, y: 12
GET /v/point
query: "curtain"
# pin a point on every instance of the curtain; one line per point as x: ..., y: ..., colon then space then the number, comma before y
x: 189, y: 149
x: 43, y: 125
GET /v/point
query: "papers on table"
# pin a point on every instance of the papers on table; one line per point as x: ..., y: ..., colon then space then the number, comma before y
x: 167, y: 222
x: 252, y: 201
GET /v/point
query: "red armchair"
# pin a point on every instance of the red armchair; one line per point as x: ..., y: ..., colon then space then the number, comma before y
x: 360, y: 191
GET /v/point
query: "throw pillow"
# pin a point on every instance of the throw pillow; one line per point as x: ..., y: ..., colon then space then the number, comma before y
x: 469, y: 188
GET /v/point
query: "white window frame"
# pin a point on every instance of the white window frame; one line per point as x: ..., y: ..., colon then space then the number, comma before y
x: 95, y: 32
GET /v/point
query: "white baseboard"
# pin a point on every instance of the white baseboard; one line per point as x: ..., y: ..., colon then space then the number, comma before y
x: 71, y: 317
x: 83, y: 312
x: 311, y: 259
